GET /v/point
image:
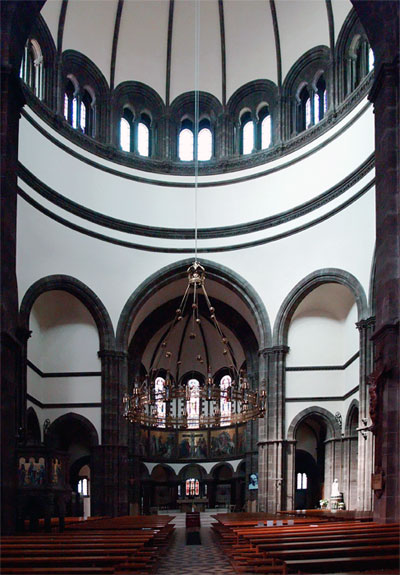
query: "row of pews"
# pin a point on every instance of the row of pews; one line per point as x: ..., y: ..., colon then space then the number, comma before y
x: 257, y: 543
x: 109, y: 546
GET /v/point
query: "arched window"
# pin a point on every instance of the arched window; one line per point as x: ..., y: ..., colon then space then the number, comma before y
x: 83, y: 487
x: 192, y: 488
x: 86, y: 119
x: 186, y: 142
x: 265, y: 128
x: 320, y: 99
x: 204, y: 142
x: 301, y: 481
x: 371, y: 60
x: 304, y: 110
x: 71, y: 104
x: 193, y: 403
x: 143, y: 135
x: 31, y: 71
x: 247, y: 133
x: 159, y: 388
x: 225, y: 399
x: 126, y: 131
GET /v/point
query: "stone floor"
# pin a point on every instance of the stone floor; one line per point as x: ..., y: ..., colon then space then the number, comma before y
x: 204, y: 559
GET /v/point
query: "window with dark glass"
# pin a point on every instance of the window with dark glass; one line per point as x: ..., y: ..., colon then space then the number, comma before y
x: 320, y: 99
x: 304, y: 110
x: 247, y: 133
x: 126, y: 131
x: 71, y: 104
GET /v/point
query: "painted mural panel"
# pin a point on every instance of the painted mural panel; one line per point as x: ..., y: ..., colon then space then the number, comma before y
x: 143, y: 442
x: 223, y: 442
x: 162, y: 444
x: 241, y: 439
x: 31, y: 472
x: 192, y: 444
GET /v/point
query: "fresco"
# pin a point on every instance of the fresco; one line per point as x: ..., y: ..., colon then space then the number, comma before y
x: 241, y: 439
x: 162, y: 444
x: 142, y: 442
x: 56, y: 471
x: 192, y: 444
x: 222, y: 442
x: 31, y: 473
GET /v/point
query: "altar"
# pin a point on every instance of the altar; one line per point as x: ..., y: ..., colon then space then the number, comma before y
x: 195, y: 504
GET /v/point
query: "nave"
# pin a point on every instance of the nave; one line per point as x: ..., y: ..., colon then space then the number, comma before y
x: 302, y: 542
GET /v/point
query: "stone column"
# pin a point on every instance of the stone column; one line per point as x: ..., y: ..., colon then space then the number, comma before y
x: 272, y: 445
x: 365, y: 441
x: 110, y: 459
x: 386, y: 375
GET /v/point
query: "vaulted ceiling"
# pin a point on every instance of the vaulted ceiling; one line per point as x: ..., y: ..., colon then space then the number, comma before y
x: 153, y: 41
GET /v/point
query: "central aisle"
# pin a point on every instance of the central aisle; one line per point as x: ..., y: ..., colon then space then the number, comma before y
x: 182, y: 559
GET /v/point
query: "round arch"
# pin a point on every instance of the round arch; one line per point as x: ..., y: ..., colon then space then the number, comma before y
x: 219, y: 465
x: 328, y: 418
x: 354, y: 406
x: 306, y: 286
x: 175, y: 271
x: 68, y: 421
x: 83, y: 293
x: 167, y: 468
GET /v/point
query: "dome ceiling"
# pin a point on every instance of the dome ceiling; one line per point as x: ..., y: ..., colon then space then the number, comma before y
x: 153, y: 41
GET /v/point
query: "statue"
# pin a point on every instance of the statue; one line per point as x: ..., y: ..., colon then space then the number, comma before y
x: 335, y: 489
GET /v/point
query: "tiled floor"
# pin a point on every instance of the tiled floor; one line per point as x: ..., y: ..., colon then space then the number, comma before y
x: 204, y: 559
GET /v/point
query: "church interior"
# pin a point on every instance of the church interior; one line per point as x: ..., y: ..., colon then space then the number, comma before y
x: 200, y: 285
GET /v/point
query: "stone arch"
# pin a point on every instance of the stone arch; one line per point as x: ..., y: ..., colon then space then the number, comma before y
x: 83, y: 293
x: 170, y: 471
x: 354, y: 405
x: 328, y: 417
x: 182, y: 472
x: 221, y: 464
x: 68, y: 421
x: 33, y: 431
x: 307, y: 285
x: 177, y: 270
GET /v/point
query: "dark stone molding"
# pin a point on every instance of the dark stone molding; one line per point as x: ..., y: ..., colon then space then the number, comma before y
x: 328, y: 417
x: 354, y: 405
x: 175, y: 271
x: 62, y: 373
x: 326, y: 367
x: 42, y: 34
x: 307, y: 285
x: 60, y: 405
x: 87, y: 73
x: 322, y: 397
x: 203, y: 233
x: 141, y: 163
x: 61, y: 25
x: 78, y: 289
x: 223, y: 48
x: 277, y: 42
x: 65, y: 421
x: 169, y: 164
x: 169, y: 48
x: 387, y: 72
x: 114, y: 49
x: 217, y: 249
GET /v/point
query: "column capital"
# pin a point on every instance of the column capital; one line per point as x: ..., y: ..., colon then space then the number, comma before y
x: 275, y: 350
x: 112, y: 354
x: 366, y: 323
x: 387, y: 71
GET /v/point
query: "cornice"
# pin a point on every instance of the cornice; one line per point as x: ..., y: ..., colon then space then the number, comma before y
x: 214, y: 166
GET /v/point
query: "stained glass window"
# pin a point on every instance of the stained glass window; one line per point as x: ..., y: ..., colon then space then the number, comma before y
x: 159, y: 385
x: 225, y: 404
x: 192, y: 487
x: 193, y: 403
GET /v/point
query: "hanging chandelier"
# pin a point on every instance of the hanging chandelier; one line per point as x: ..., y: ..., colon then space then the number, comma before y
x: 168, y: 405
x: 142, y: 406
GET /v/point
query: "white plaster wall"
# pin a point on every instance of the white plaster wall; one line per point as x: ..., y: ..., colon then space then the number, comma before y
x: 314, y: 384
x: 250, y: 43
x: 142, y: 44
x: 51, y: 14
x: 89, y: 28
x: 173, y: 207
x: 311, y: 29
x: 34, y: 385
x: 72, y: 389
x: 341, y: 9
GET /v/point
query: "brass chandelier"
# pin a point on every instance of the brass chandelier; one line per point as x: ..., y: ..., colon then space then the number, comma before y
x: 243, y: 404
x: 141, y: 406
